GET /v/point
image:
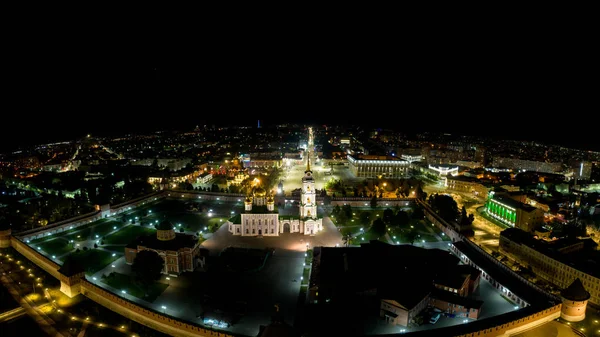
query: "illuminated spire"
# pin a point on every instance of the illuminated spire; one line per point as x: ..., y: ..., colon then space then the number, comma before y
x: 308, y: 163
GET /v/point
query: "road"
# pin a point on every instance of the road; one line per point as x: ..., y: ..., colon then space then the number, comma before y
x: 486, y: 232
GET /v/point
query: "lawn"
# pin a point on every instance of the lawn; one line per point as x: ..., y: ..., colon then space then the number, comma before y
x: 366, y: 237
x: 79, y: 235
x: 116, y: 249
x: 125, y: 282
x: 93, y: 259
x: 196, y: 222
x: 58, y: 246
x: 105, y: 228
x: 127, y: 234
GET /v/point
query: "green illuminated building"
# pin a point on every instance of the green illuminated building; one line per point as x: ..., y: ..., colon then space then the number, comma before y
x: 514, y: 213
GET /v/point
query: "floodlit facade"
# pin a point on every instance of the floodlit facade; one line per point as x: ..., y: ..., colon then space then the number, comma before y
x: 557, y: 262
x: 528, y: 165
x: 378, y: 168
x: 181, y: 252
x: 514, y: 213
x: 261, y: 217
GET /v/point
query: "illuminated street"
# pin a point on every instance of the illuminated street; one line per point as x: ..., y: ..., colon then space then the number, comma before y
x: 486, y: 232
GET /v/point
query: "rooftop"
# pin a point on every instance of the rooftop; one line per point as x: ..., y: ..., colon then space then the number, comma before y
x: 575, y: 291
x: 181, y: 240
x: 70, y: 267
x: 262, y: 209
x: 505, y: 277
x: 585, y: 260
x: 345, y: 270
x: 456, y: 299
x: 165, y: 225
x: 456, y: 277
x: 513, y: 203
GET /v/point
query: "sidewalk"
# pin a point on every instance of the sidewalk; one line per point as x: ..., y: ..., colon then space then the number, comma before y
x: 39, y: 317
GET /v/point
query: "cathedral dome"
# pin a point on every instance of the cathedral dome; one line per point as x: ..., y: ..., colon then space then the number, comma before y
x: 165, y: 231
x: 165, y: 225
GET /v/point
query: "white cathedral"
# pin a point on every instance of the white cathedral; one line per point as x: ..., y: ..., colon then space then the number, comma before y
x: 261, y: 217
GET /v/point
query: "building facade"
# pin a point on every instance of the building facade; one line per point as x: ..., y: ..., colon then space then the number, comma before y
x: 528, y: 165
x: 377, y: 167
x: 467, y: 185
x: 397, y: 314
x: 558, y: 267
x: 514, y: 213
x: 261, y: 217
x: 180, y: 251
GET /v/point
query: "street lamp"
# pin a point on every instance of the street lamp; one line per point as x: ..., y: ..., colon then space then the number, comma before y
x: 164, y: 308
x: 168, y: 280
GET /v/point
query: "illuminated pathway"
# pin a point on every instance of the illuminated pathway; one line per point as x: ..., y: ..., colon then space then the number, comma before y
x: 38, y: 316
x: 38, y: 306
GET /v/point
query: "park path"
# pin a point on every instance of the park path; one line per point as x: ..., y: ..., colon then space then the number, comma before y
x: 38, y: 316
x: 432, y: 232
x: 389, y: 239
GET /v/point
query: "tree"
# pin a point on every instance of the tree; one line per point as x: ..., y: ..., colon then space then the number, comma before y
x: 418, y: 213
x: 401, y: 219
x: 374, y: 201
x: 336, y: 210
x: 365, y: 218
x: 347, y: 209
x: 378, y: 227
x: 445, y: 206
x: 147, y: 267
x: 388, y: 214
x: 411, y: 236
x: 463, y: 216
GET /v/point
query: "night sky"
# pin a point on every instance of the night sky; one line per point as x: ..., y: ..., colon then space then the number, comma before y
x: 521, y: 89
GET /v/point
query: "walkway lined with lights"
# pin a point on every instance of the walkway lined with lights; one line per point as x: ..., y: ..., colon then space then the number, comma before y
x: 36, y: 312
x: 41, y: 319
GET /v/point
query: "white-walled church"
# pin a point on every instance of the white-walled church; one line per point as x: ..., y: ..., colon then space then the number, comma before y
x: 261, y: 217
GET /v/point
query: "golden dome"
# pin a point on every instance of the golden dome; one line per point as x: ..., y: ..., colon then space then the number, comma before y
x: 260, y: 192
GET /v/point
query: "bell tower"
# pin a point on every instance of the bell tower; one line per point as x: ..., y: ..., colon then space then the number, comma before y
x: 308, y: 197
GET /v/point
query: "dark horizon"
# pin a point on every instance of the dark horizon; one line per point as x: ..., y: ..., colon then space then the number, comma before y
x: 506, y: 90
x: 49, y: 133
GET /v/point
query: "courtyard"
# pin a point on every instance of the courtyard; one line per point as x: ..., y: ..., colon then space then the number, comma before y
x: 243, y: 298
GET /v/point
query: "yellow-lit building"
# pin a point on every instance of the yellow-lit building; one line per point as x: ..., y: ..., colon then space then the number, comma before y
x: 467, y: 185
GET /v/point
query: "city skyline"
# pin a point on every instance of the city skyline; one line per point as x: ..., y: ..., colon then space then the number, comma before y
x: 49, y: 129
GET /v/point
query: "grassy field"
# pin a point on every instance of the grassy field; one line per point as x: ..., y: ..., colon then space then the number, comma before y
x: 107, y: 227
x: 57, y: 246
x: 125, y: 282
x: 93, y: 259
x: 116, y: 249
x: 127, y: 234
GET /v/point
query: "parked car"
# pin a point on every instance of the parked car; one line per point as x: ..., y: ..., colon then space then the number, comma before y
x: 434, y: 318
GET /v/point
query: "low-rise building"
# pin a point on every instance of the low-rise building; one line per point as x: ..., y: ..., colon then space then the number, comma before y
x: 403, y: 288
x: 453, y: 304
x: 463, y: 280
x: 467, y: 185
